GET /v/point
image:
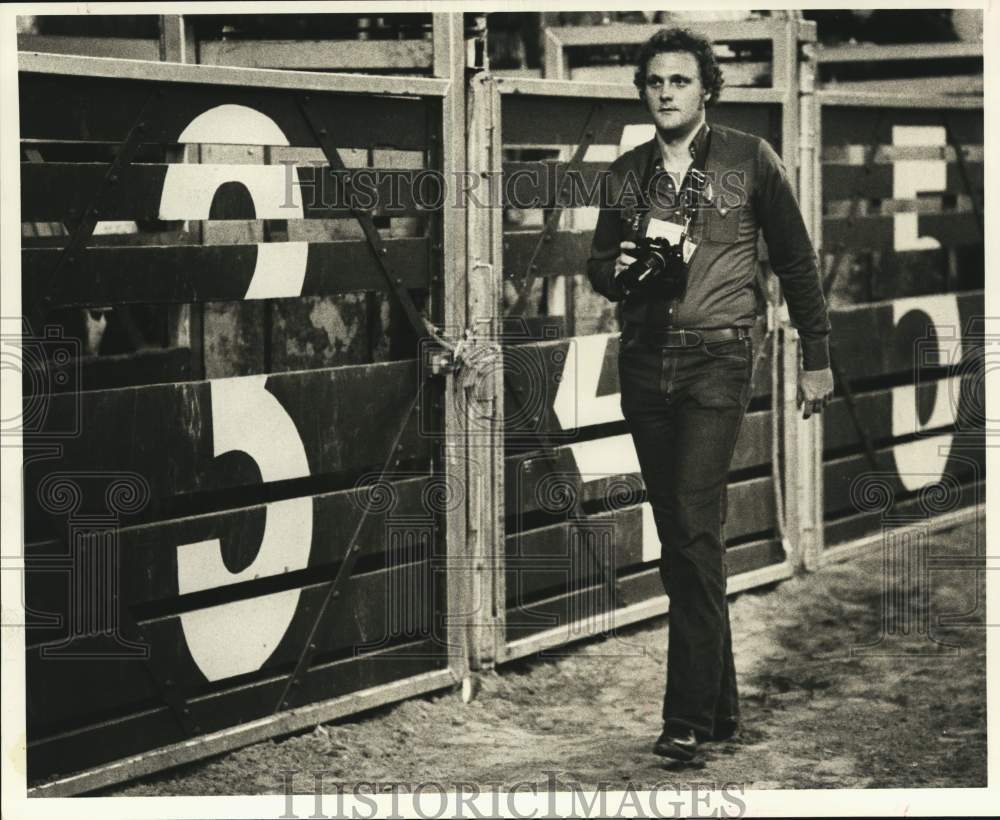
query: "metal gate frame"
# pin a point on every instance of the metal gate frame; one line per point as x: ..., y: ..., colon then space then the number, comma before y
x: 810, y: 524
x: 446, y: 84
x: 490, y: 645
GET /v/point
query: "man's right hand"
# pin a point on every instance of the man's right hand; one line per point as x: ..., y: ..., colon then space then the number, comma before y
x: 624, y: 258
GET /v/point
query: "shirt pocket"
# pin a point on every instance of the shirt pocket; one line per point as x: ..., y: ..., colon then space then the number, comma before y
x: 723, y: 224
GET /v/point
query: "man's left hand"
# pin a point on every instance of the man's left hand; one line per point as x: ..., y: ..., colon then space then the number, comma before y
x: 815, y: 390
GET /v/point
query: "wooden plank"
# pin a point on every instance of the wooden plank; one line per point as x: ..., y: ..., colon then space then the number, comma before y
x: 214, y: 273
x: 541, y: 394
x: 855, y: 328
x: 875, y: 410
x: 933, y: 203
x: 260, y: 78
x: 537, y: 184
x: 878, y: 232
x: 142, y: 367
x: 868, y: 53
x: 321, y: 55
x: 54, y: 191
x: 125, y: 48
x: 739, y: 74
x: 95, y: 108
x: 535, y: 480
x: 575, y: 552
x: 147, y: 555
x: 373, y: 610
x: 593, y: 602
x: 342, y: 420
x: 155, y: 726
x: 873, y: 125
x: 844, y: 182
x: 557, y: 120
x: 862, y: 156
x: 852, y: 484
x: 724, y: 31
x: 968, y: 87
x: 850, y: 527
x: 566, y: 254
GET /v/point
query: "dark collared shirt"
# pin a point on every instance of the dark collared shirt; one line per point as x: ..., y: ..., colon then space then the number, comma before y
x: 748, y: 194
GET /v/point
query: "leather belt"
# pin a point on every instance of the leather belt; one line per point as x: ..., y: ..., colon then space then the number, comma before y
x: 683, y: 337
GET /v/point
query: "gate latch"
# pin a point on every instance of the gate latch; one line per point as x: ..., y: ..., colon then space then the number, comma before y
x: 443, y: 356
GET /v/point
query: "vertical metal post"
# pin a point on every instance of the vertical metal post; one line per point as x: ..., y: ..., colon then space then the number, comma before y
x: 803, y: 438
x: 449, y: 63
x: 561, y: 290
x: 555, y: 65
x: 484, y: 386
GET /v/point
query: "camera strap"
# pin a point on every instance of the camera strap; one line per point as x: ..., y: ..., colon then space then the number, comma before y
x: 691, y: 197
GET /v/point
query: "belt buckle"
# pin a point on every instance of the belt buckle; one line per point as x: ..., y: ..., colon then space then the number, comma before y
x: 693, y: 335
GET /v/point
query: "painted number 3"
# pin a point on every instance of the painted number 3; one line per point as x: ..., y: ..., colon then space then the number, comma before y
x: 236, y: 638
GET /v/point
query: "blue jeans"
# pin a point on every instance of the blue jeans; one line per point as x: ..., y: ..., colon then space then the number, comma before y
x: 684, y: 407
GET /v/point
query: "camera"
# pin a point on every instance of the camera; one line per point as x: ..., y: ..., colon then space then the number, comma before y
x: 659, y: 264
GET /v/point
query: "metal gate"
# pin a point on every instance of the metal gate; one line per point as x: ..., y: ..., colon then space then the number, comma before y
x: 226, y: 560
x: 579, y: 552
x: 901, y: 180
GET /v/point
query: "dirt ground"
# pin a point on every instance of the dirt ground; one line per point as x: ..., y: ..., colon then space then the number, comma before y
x: 814, y: 716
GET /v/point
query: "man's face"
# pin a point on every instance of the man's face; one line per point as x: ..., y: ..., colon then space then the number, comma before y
x: 674, y: 94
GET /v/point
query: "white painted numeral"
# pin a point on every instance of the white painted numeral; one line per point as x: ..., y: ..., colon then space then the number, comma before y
x: 236, y: 638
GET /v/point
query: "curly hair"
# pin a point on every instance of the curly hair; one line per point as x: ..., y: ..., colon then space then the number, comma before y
x: 682, y: 39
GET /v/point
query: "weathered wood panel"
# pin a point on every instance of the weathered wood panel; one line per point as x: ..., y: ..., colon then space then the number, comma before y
x: 91, y: 108
x: 859, y: 525
x: 565, y: 254
x: 543, y: 120
x: 155, y: 726
x: 902, y: 155
x: 373, y: 609
x: 301, y: 425
x: 593, y: 605
x: 845, y: 182
x: 146, y: 566
x: 213, y: 273
x: 563, y: 385
x: 56, y: 191
x: 878, y: 232
x: 537, y: 481
x: 569, y: 553
x: 891, y: 339
x: 938, y: 405
x: 867, y: 125
x: 929, y: 465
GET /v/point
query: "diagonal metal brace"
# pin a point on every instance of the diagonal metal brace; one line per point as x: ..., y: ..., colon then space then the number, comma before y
x: 83, y: 229
x: 336, y: 584
x: 326, y: 141
x: 552, y: 221
x: 963, y: 171
x: 863, y: 171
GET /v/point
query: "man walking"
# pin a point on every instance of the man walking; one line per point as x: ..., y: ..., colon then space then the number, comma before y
x: 677, y: 243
